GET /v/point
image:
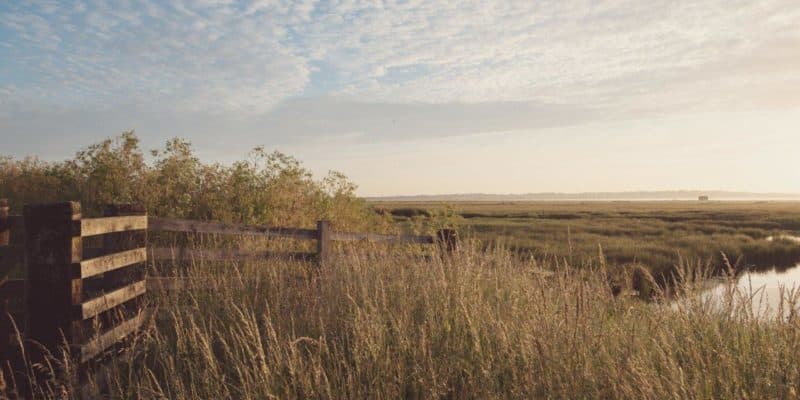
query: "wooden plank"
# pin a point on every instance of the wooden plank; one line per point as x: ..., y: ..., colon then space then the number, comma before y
x: 377, y: 237
x: 16, y: 226
x: 8, y: 331
x: 17, y: 310
x: 5, y: 232
x: 12, y: 297
x: 16, y: 222
x: 190, y: 226
x: 8, y: 298
x: 11, y: 255
x: 12, y: 251
x: 53, y: 244
x: 166, y: 254
x: 101, y: 226
x: 18, y: 317
x: 113, y: 336
x: 323, y: 242
x: 12, y: 288
x: 108, y: 301
x: 100, y: 265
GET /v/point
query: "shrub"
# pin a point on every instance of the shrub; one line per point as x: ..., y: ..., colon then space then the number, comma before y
x: 268, y: 188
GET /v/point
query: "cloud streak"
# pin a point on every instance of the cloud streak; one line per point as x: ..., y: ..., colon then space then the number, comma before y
x: 212, y: 54
x: 386, y: 70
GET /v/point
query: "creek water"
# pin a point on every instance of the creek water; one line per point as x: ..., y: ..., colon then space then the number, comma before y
x: 791, y: 238
x: 765, y: 291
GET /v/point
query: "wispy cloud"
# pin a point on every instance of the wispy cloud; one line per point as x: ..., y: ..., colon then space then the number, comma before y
x: 220, y: 54
x: 311, y: 68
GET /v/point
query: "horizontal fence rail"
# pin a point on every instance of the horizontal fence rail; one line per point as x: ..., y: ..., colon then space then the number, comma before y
x: 378, y: 237
x: 95, y: 347
x: 14, y: 223
x: 324, y: 235
x: 72, y: 283
x: 106, y: 302
x: 10, y: 255
x: 57, y: 306
x: 12, y: 288
x: 190, y: 226
x: 184, y: 254
x: 100, y: 265
x: 102, y: 226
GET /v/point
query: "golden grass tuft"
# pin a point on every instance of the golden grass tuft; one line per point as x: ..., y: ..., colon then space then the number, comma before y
x: 386, y: 324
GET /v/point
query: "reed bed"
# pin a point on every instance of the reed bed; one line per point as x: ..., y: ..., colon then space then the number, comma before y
x: 654, y: 234
x: 386, y: 323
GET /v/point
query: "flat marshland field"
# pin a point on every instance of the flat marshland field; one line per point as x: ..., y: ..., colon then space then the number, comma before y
x: 525, y: 308
x: 482, y: 323
x: 477, y: 325
x: 657, y: 235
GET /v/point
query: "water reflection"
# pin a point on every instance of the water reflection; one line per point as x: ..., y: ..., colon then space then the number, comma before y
x: 764, y: 290
x: 790, y: 238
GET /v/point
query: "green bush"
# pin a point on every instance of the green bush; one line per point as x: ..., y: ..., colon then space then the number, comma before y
x: 268, y: 188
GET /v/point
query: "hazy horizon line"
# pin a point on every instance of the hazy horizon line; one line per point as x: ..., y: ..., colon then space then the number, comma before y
x: 609, y: 195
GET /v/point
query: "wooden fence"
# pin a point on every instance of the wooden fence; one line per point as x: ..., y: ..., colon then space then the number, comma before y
x: 323, y: 235
x: 67, y: 291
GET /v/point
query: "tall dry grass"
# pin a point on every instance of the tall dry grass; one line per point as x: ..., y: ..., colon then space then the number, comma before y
x: 386, y: 324
x: 652, y: 234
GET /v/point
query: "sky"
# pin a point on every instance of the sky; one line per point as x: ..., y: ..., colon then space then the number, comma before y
x: 423, y: 97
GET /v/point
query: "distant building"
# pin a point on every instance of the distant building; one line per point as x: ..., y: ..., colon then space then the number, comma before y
x: 703, y: 198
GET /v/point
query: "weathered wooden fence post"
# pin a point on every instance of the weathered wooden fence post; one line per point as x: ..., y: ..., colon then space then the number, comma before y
x: 448, y: 240
x: 5, y: 228
x: 53, y: 247
x: 323, y: 242
x: 5, y: 323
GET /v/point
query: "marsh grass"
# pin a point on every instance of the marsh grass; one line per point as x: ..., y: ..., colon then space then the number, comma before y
x: 655, y: 235
x: 386, y: 323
